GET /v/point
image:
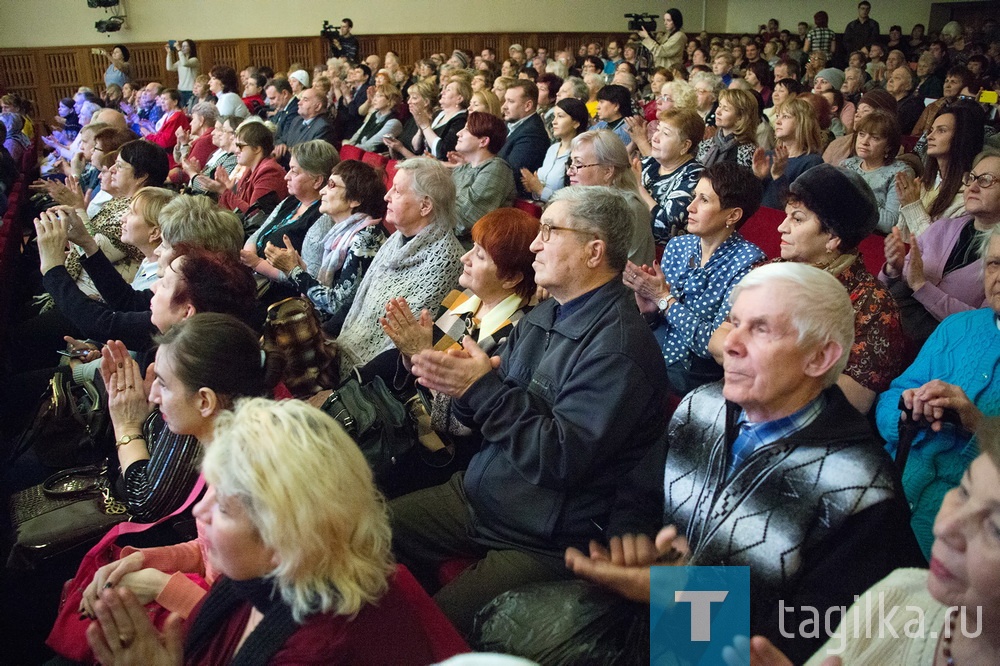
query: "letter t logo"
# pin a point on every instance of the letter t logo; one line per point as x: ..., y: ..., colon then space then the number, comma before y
x: 701, y: 605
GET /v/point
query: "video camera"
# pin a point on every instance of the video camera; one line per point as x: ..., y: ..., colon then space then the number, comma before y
x: 639, y: 21
x: 329, y: 30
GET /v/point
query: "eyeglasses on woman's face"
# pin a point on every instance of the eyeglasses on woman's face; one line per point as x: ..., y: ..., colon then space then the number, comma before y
x: 573, y: 167
x: 984, y: 181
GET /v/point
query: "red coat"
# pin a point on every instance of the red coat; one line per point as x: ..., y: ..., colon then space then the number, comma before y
x: 166, y: 137
x: 267, y: 177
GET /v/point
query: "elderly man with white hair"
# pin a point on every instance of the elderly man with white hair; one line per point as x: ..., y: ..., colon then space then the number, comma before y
x: 772, y: 468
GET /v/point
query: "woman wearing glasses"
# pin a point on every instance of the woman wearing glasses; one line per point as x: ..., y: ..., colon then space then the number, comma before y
x: 224, y: 140
x: 940, y: 275
x: 262, y: 185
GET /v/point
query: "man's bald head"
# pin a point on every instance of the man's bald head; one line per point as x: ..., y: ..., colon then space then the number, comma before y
x: 110, y: 117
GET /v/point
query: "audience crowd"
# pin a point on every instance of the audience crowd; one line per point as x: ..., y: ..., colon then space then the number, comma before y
x: 676, y: 299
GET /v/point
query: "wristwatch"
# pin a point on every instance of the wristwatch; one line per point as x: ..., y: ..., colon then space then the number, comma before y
x: 664, y: 304
x: 127, y: 439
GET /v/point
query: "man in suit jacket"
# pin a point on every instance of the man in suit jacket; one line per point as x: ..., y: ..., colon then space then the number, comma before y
x: 527, y: 140
x: 311, y: 123
x: 284, y: 105
x: 349, y: 117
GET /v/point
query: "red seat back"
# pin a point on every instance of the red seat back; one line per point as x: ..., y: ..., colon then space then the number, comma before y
x: 529, y: 207
x: 349, y: 152
x: 375, y: 159
x: 444, y: 638
x: 762, y: 230
x: 872, y: 251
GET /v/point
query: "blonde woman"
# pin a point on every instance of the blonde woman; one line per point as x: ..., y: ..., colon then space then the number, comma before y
x: 735, y: 139
x: 484, y: 101
x: 313, y: 586
x: 799, y: 147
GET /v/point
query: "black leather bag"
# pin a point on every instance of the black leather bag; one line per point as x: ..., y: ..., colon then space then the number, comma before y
x: 71, y: 508
x: 375, y: 419
x: 71, y: 426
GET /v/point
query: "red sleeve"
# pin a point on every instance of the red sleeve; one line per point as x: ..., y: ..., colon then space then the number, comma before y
x: 166, y: 138
x: 267, y: 177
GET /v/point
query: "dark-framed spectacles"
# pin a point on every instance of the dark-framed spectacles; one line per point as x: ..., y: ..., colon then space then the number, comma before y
x: 240, y: 145
x: 546, y: 230
x: 572, y: 167
x: 984, y: 181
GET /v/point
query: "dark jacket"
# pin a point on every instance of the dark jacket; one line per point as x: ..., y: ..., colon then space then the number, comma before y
x: 300, y: 132
x: 283, y: 118
x: 818, y: 516
x: 349, y: 118
x: 572, y: 408
x: 525, y: 148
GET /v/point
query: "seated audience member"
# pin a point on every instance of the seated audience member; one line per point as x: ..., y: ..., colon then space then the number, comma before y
x: 283, y: 103
x: 196, y: 143
x: 670, y: 174
x: 290, y: 222
x: 569, y: 120
x: 758, y: 75
x: 657, y: 78
x: 876, y: 143
x: 943, y: 276
x: 783, y: 90
x: 262, y: 185
x: 900, y: 85
x: 483, y: 181
x: 277, y: 590
x: 707, y: 87
x: 930, y: 82
x: 543, y: 478
x: 493, y: 295
x: 222, y: 82
x: 614, y: 105
x: 420, y: 262
x: 953, y: 141
x: 573, y: 87
x: 736, y: 118
x: 225, y: 155
x: 310, y: 124
x: 931, y: 597
x: 775, y: 441
x: 548, y: 85
x: 599, y: 158
x: 437, y: 137
x: 16, y: 141
x: 527, y: 140
x: 799, y: 148
x: 420, y: 100
x: 722, y: 66
x: 955, y: 370
x: 200, y: 93
x: 958, y: 78
x: 484, y: 101
x: 829, y: 211
x: 687, y: 297
x: 381, y: 121
x: 253, y: 94
x: 164, y: 132
x: 842, y: 147
x: 340, y: 246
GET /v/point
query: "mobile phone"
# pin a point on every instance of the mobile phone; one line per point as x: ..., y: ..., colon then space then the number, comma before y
x: 172, y: 43
x: 74, y: 353
x: 987, y: 96
x: 97, y: 51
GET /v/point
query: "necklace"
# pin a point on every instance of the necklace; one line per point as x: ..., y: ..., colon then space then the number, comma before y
x: 946, y: 641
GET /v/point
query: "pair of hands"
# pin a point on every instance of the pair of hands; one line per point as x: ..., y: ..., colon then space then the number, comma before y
x: 637, y: 129
x: 221, y: 181
x: 531, y: 181
x: 128, y: 391
x: 410, y: 334
x: 764, y: 164
x: 907, y: 188
x: 623, y: 567
x: 929, y: 401
x: 649, y: 285
x: 56, y: 226
x: 895, y: 264
x: 123, y: 634
x: 283, y: 258
x: 128, y: 572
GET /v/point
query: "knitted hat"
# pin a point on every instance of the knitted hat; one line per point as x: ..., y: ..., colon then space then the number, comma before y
x: 841, y: 199
x: 301, y: 76
x: 834, y: 76
x: 461, y: 57
x: 879, y: 99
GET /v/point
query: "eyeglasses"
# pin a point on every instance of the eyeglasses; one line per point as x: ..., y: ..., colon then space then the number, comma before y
x: 119, y: 165
x: 546, y: 229
x: 984, y: 181
x: 240, y: 145
x: 573, y: 167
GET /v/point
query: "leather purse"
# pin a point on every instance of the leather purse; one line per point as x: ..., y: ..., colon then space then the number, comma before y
x: 71, y: 508
x: 293, y: 328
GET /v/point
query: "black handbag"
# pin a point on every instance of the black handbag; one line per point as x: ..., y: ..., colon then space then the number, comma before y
x: 71, y: 508
x: 71, y: 426
x: 375, y: 419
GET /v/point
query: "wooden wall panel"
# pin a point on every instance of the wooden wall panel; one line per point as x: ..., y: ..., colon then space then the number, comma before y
x: 43, y: 75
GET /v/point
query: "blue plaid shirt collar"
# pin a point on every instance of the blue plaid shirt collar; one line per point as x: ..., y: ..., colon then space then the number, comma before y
x: 770, y: 432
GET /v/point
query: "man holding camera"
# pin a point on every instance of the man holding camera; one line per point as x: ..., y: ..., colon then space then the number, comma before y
x: 346, y: 45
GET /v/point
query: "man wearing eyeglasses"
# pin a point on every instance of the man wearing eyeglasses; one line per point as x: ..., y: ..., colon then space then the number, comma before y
x: 567, y: 408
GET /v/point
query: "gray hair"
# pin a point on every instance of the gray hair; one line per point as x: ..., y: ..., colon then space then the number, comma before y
x: 208, y: 112
x: 712, y: 80
x: 432, y: 180
x: 580, y: 90
x: 201, y: 222
x: 820, y: 309
x: 610, y: 151
x: 316, y: 157
x: 605, y: 211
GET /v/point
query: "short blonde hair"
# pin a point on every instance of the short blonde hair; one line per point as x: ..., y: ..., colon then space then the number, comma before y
x: 489, y: 100
x: 310, y: 494
x: 683, y: 94
x: 149, y: 201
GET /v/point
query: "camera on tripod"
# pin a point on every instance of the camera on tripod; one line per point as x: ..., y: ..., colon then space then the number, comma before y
x: 637, y: 22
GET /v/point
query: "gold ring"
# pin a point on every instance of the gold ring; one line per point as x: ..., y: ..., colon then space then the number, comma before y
x: 124, y: 640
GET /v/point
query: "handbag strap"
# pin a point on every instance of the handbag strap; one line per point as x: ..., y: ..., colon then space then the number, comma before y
x: 95, y: 472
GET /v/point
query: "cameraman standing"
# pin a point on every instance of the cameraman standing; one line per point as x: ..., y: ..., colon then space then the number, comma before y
x: 345, y: 46
x: 669, y: 51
